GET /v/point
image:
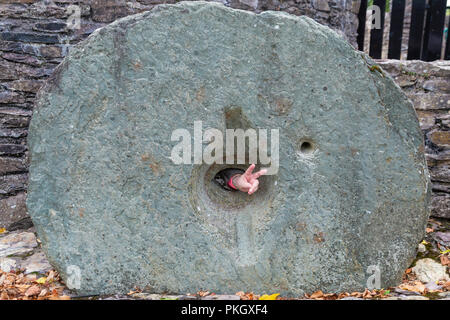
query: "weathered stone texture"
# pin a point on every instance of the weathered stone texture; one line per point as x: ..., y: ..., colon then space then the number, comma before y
x: 104, y: 194
x: 34, y: 38
x: 427, y: 84
x: 20, y: 251
x: 12, y: 209
x: 12, y: 183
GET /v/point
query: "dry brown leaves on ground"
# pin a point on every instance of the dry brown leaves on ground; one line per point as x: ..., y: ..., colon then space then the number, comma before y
x: 445, y: 260
x: 367, y: 294
x: 319, y: 295
x: 204, y: 293
x: 18, y: 286
x: 248, y: 295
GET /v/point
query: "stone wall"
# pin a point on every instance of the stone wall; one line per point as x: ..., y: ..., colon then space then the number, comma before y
x: 36, y: 35
x: 387, y: 29
x: 427, y: 84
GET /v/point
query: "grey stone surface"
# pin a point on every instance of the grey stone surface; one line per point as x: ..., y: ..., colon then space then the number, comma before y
x: 407, y: 298
x: 105, y: 197
x: 428, y: 270
x: 113, y: 297
x: 12, y: 209
x: 20, y: 251
x: 432, y: 286
x: 406, y: 292
x: 154, y: 296
x: 37, y: 263
x: 421, y: 248
x: 188, y: 298
x: 444, y: 294
x: 222, y: 297
x: 443, y: 238
x: 426, y: 84
x: 8, y: 264
x: 413, y: 298
x: 15, y: 244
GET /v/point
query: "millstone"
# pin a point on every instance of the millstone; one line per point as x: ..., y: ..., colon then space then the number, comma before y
x: 113, y: 210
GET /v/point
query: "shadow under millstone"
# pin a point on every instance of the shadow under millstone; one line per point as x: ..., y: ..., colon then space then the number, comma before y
x: 22, y: 224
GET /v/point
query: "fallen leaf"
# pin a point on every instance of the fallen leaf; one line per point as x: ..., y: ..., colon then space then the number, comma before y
x: 51, y: 276
x: 446, y: 285
x: 424, y: 242
x: 330, y: 296
x: 203, y: 293
x: 343, y: 295
x: 135, y: 289
x: 2, y: 230
x: 416, y: 287
x: 23, y: 287
x: 317, y: 294
x: 33, y: 291
x: 41, y: 280
x: 252, y: 296
x: 247, y: 296
x: 356, y: 294
x: 20, y: 278
x: 43, y: 292
x: 4, y: 296
x: 445, y: 261
x: 269, y: 297
x: 367, y: 294
x: 240, y: 293
x: 428, y: 230
x: 408, y: 270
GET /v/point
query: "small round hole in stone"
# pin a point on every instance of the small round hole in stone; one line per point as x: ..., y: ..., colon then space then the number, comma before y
x: 306, y: 147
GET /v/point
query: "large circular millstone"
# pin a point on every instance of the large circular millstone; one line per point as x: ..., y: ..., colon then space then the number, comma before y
x: 114, y: 211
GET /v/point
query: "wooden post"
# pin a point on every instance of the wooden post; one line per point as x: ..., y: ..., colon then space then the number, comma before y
x: 396, y: 30
x: 376, y: 34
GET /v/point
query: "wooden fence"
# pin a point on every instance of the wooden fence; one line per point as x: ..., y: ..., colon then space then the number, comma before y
x: 426, y: 34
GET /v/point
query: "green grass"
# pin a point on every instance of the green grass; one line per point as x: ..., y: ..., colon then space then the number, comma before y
x: 388, y: 4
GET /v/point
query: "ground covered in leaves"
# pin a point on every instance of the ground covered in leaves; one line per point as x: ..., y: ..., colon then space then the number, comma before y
x: 25, y: 275
x: 18, y: 286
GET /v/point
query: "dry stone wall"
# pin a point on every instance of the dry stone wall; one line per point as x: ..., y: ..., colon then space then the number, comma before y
x: 428, y: 86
